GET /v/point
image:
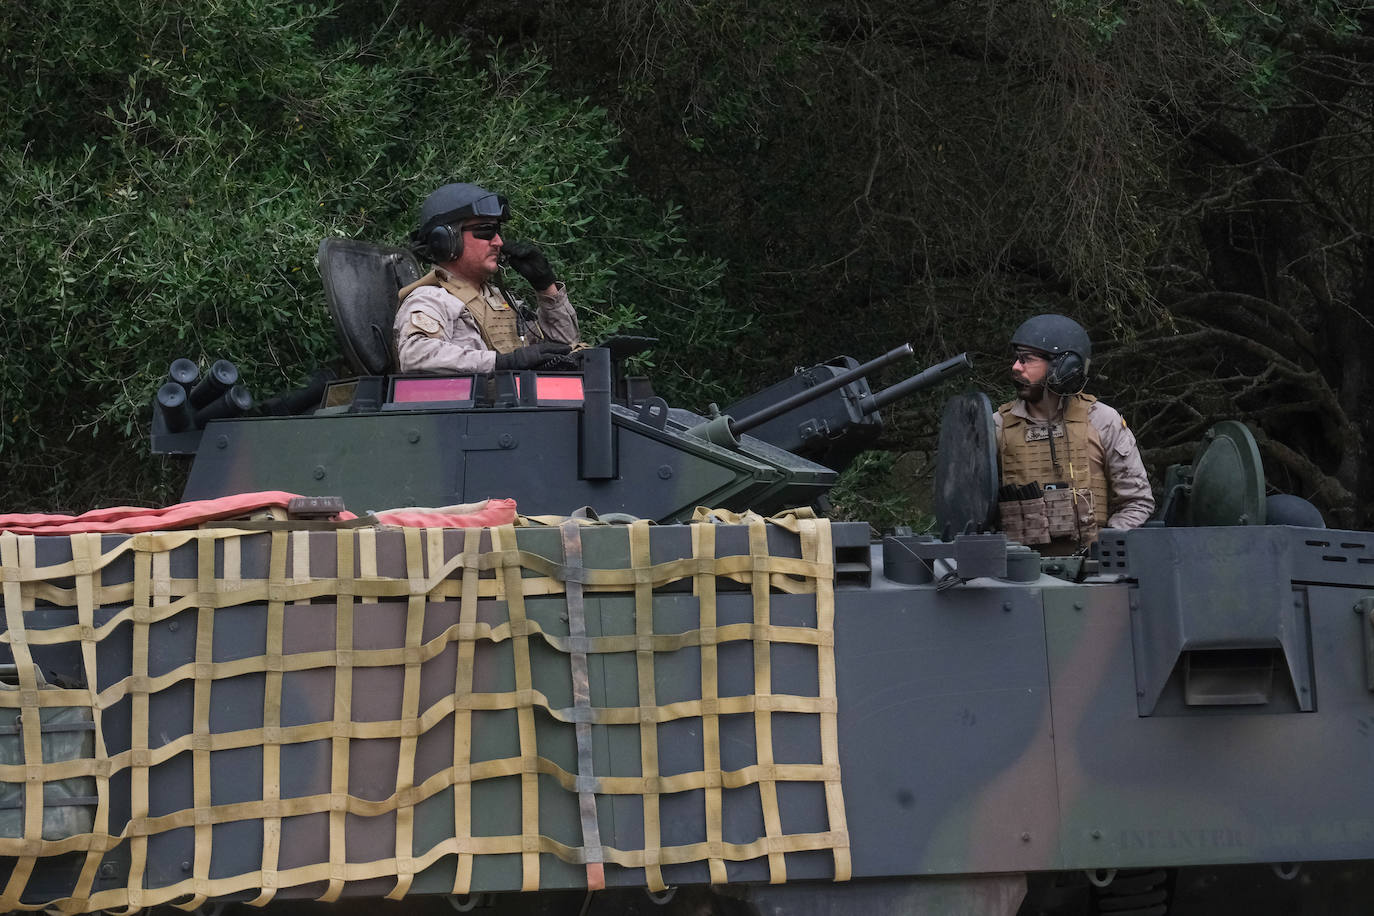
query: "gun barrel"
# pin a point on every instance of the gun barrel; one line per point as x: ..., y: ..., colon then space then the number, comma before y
x: 924, y: 379
x: 748, y: 422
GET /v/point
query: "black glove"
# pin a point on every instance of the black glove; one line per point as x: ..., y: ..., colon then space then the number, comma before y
x: 571, y: 362
x: 530, y: 263
x: 533, y: 356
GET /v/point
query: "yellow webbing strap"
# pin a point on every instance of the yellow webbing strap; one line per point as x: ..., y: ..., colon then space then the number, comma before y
x: 271, y: 701
x: 410, y: 711
x: 704, y: 588
x: 462, y: 719
x: 343, y: 709
x: 763, y: 718
x: 433, y: 584
x: 86, y: 555
x: 206, y: 585
x: 504, y: 543
x: 29, y: 731
x: 830, y: 739
x: 640, y: 563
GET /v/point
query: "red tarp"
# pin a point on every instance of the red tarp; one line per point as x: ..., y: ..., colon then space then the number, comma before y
x: 132, y: 519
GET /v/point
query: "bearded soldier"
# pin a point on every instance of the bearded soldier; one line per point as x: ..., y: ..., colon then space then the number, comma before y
x: 1069, y: 464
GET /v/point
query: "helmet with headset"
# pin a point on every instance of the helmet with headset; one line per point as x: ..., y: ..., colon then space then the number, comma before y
x: 439, y: 237
x: 1066, y: 346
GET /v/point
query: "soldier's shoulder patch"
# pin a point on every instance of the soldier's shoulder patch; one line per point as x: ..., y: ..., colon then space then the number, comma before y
x: 423, y: 323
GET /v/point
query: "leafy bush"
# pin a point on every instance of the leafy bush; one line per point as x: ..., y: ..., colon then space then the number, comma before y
x: 171, y: 172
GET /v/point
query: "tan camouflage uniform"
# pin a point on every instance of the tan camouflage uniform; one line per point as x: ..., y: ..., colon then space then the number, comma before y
x: 435, y: 332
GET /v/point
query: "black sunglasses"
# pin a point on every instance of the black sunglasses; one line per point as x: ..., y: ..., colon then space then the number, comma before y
x: 484, y: 231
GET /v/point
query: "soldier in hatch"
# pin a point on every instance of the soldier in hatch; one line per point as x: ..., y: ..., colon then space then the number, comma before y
x: 1069, y: 464
x: 457, y: 318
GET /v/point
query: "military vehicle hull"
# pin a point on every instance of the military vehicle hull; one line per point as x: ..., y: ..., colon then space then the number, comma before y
x: 732, y: 715
x: 1202, y: 703
x: 440, y: 457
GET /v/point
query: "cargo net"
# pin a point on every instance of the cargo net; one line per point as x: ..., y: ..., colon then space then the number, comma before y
x: 380, y: 712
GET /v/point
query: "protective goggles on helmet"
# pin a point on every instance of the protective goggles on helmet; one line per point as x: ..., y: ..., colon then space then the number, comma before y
x: 487, y: 205
x: 491, y: 205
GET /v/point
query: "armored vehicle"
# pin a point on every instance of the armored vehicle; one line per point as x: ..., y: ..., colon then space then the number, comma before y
x: 700, y: 694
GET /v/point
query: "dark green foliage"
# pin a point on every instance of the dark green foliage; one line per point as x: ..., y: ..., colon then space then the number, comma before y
x: 885, y: 489
x: 1190, y: 179
x: 170, y: 172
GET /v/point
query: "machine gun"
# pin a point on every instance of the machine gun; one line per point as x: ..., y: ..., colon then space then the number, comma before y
x: 827, y: 413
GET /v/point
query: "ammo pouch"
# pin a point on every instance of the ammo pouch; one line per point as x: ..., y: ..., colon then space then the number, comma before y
x: 1061, y: 514
x: 1025, y: 520
x: 1071, y: 514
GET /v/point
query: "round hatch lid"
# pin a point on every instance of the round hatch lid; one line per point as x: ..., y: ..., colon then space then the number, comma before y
x: 966, y: 466
x: 1228, y: 478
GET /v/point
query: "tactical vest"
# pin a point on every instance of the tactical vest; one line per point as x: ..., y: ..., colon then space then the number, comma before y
x: 1076, y: 461
x: 497, y: 320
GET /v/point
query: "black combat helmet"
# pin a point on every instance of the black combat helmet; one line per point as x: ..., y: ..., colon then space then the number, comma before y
x: 437, y: 238
x: 1067, y: 345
